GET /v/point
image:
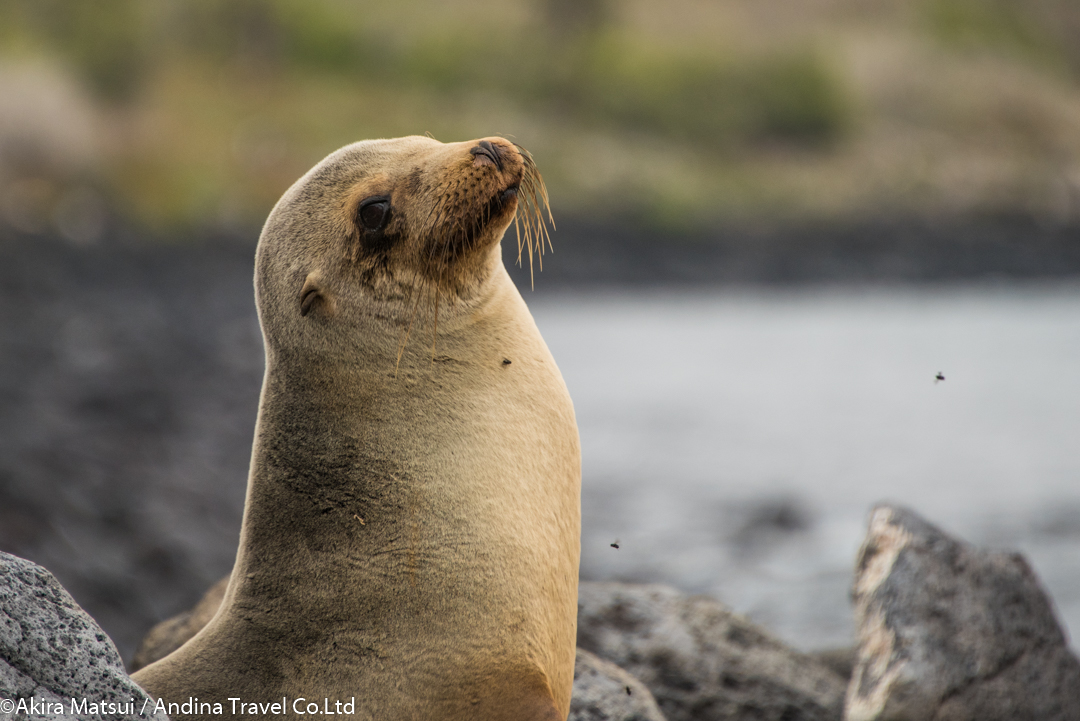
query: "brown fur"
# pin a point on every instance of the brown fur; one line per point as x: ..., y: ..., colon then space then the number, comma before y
x: 411, y: 530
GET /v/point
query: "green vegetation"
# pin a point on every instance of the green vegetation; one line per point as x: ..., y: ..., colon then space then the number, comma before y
x: 791, y: 97
x: 105, y: 42
x: 686, y: 114
x: 1016, y: 26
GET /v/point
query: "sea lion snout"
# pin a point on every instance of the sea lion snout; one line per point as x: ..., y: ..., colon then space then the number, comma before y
x: 507, y: 160
x: 487, y: 153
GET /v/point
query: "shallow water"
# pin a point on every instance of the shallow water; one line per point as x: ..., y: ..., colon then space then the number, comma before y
x: 734, y: 442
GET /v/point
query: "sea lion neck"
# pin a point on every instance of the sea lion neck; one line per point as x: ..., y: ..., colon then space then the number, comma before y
x: 324, y: 417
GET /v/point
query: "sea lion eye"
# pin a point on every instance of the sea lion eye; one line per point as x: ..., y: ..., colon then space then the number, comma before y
x: 374, y: 212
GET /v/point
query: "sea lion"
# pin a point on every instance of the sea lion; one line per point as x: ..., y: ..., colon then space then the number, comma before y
x: 411, y: 529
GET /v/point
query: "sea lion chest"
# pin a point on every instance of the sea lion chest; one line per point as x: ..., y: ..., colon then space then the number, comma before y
x: 438, y: 497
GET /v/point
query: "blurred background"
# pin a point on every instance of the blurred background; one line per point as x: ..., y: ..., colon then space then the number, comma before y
x: 778, y: 222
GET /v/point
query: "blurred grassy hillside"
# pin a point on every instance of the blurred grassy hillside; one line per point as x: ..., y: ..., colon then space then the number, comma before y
x: 171, y: 114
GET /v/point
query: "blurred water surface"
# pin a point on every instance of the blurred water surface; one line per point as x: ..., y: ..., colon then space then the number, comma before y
x: 733, y: 442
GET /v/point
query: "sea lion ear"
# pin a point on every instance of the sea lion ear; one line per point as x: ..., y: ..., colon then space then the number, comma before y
x: 313, y: 296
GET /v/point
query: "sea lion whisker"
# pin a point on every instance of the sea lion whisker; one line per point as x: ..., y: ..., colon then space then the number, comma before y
x: 517, y: 234
x: 532, y: 276
x: 429, y: 221
x: 535, y: 200
x: 538, y: 195
x: 434, y: 241
x: 535, y: 230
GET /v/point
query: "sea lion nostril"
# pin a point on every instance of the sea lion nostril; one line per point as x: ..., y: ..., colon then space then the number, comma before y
x: 490, y: 151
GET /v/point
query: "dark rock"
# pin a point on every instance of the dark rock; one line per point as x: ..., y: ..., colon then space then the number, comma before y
x: 51, y: 650
x: 700, y: 660
x: 953, y: 633
x: 605, y: 692
x: 129, y: 385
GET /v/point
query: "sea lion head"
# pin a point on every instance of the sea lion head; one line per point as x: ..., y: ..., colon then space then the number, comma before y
x: 382, y: 227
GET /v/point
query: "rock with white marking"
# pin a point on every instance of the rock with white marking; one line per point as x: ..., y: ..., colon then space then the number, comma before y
x: 952, y: 633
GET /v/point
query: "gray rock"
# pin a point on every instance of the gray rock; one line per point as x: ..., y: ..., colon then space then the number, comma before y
x: 702, y: 661
x: 51, y: 651
x: 952, y: 633
x: 840, y: 660
x: 605, y: 692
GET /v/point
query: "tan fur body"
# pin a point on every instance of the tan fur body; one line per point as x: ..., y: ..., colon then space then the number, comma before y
x: 411, y: 529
